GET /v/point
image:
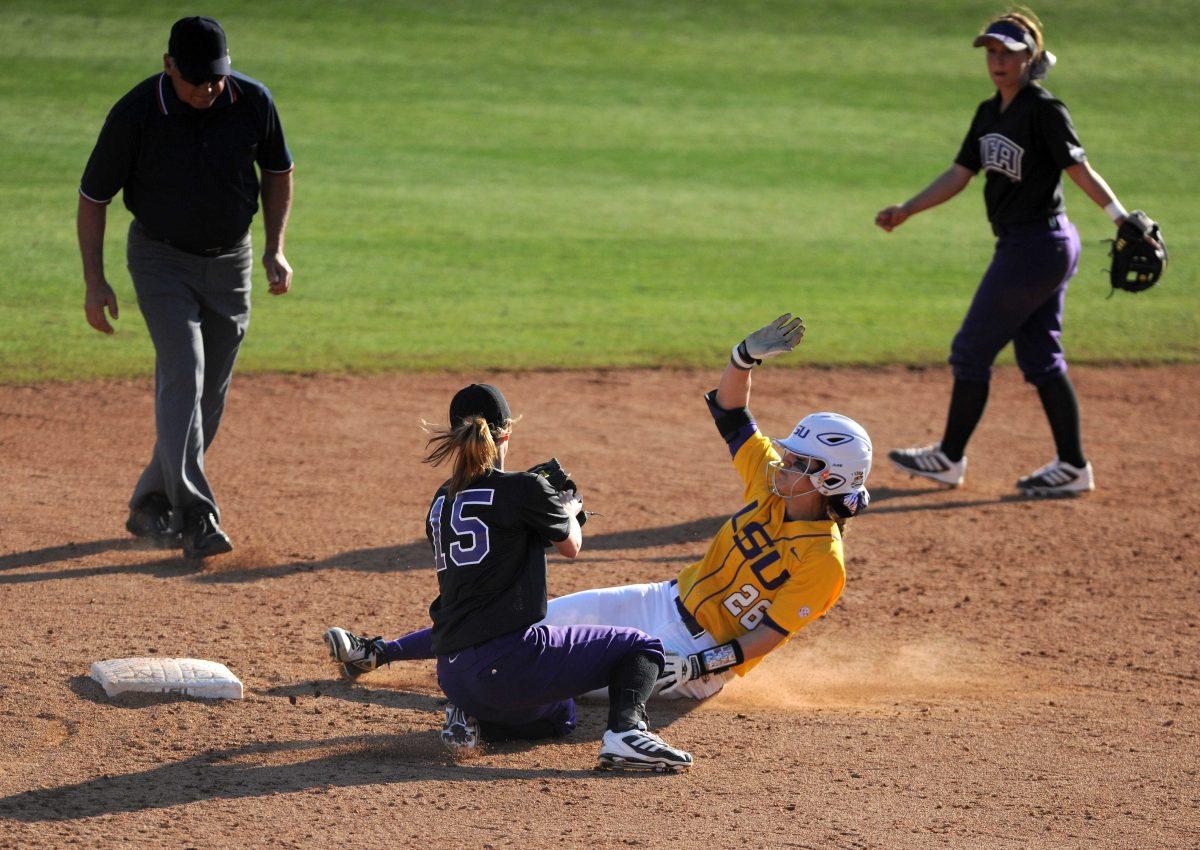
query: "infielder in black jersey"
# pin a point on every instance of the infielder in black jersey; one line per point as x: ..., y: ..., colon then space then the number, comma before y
x: 1023, y: 138
x: 506, y: 676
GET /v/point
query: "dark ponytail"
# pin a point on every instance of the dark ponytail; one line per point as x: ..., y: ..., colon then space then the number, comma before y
x: 844, y: 507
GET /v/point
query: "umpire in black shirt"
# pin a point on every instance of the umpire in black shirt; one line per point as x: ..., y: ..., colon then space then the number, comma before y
x: 183, y: 146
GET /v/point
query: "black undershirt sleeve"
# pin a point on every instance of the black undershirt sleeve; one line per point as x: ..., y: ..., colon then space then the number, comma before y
x: 728, y: 422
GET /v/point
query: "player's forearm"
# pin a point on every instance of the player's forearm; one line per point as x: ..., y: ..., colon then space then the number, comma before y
x: 277, y: 206
x: 90, y: 222
x: 759, y: 641
x: 733, y: 393
x: 944, y: 187
x: 1092, y: 184
x: 571, y: 547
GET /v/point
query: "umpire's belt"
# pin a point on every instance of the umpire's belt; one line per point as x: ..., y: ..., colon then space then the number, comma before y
x: 191, y: 249
x: 689, y: 622
x: 1040, y: 225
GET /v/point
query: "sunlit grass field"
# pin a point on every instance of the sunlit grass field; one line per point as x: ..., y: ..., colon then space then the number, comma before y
x: 556, y: 184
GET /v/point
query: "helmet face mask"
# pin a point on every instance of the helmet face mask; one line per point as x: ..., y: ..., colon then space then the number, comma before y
x: 840, y: 445
x: 798, y: 468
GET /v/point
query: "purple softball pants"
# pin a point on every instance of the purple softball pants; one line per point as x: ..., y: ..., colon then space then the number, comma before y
x: 527, y: 680
x: 1020, y: 299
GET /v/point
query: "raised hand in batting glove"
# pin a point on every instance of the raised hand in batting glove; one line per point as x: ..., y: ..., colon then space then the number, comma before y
x: 781, y: 336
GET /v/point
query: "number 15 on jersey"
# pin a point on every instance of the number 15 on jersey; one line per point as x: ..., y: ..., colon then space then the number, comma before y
x: 470, y: 527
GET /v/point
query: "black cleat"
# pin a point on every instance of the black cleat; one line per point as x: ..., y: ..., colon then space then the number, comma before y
x: 203, y: 538
x: 151, y: 521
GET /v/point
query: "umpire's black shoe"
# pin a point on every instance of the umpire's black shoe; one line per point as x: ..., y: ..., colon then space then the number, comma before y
x: 203, y: 538
x: 151, y: 521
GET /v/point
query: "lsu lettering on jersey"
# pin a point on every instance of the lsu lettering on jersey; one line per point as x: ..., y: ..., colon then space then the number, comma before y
x: 761, y: 567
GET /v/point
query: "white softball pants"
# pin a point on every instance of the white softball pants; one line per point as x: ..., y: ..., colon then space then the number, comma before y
x: 649, y: 607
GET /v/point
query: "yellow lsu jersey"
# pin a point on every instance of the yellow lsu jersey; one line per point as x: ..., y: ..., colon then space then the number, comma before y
x: 762, y: 567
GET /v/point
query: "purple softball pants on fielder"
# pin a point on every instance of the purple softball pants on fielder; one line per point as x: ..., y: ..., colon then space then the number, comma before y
x: 1021, y: 299
x: 526, y: 681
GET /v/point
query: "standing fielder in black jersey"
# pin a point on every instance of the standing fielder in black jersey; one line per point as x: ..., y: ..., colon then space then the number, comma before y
x: 508, y: 675
x: 1024, y: 140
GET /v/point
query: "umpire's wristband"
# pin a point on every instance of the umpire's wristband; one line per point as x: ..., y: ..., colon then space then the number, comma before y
x: 741, y: 358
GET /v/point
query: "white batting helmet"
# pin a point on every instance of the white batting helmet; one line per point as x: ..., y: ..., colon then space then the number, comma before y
x: 840, y: 443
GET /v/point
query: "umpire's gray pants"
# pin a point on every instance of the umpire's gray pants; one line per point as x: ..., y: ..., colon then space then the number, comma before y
x: 196, y: 309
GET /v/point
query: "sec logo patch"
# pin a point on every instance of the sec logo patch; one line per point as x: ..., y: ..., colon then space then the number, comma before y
x: 805, y: 611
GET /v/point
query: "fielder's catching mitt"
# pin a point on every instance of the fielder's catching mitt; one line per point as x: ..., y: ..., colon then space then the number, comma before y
x: 1139, y: 255
x: 559, y: 479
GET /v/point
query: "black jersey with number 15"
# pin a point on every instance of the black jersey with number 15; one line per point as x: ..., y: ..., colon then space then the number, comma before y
x: 489, y: 549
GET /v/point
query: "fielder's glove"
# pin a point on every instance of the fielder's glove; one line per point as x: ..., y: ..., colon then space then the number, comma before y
x: 560, y: 480
x: 781, y: 336
x: 1139, y: 255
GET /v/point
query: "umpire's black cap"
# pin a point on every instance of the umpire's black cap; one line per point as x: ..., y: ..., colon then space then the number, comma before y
x: 480, y: 400
x: 198, y: 46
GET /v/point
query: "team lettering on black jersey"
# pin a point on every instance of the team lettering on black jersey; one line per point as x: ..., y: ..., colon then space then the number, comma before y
x: 488, y: 544
x: 1023, y: 150
x: 1000, y: 154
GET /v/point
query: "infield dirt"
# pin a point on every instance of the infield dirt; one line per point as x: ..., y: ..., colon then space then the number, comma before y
x: 998, y: 673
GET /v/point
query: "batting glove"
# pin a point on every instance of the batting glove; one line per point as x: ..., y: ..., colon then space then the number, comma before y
x: 677, y: 670
x: 779, y: 337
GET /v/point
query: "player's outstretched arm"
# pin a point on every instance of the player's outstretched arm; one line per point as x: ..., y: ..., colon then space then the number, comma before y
x: 681, y: 669
x: 781, y: 336
x: 944, y: 187
x: 759, y: 641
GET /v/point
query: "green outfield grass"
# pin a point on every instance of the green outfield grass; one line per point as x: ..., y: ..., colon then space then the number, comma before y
x: 603, y: 183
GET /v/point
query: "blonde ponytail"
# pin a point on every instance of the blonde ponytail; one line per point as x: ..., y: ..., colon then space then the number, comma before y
x: 471, y: 445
